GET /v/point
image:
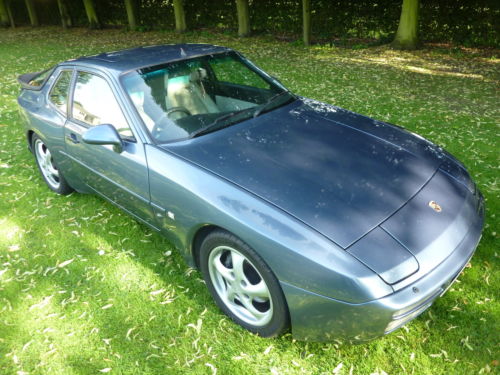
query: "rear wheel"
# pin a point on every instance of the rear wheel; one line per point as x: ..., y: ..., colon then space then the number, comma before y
x: 50, y: 173
x: 243, y: 285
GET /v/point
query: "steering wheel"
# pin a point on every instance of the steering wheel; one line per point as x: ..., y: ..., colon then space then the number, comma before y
x: 165, y: 120
x: 177, y: 109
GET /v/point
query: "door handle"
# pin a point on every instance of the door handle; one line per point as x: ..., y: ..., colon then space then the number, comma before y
x: 72, y: 138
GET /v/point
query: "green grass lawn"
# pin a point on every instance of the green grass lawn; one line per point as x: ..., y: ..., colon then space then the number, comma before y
x: 84, y: 289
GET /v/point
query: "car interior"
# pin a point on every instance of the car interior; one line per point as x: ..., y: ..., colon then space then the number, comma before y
x: 176, y: 100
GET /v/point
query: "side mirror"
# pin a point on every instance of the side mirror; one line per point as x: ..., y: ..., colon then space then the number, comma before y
x: 105, y: 134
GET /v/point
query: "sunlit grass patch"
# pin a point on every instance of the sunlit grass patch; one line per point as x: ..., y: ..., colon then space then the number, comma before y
x: 85, y: 289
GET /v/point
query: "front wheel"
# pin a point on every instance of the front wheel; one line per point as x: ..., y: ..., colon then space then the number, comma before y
x: 50, y: 173
x: 243, y: 285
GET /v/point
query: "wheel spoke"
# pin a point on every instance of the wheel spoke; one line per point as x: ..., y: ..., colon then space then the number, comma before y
x: 252, y: 310
x: 238, y: 260
x: 47, y: 158
x: 47, y: 154
x: 230, y: 292
x: 222, y: 269
x: 40, y: 151
x: 257, y: 290
x: 52, y: 170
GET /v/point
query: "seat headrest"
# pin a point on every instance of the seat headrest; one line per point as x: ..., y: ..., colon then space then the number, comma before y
x: 198, y: 75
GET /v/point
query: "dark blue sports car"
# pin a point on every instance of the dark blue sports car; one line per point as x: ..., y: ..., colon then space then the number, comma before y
x: 297, y: 213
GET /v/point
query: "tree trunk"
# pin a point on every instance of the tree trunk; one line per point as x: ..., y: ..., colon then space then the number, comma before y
x: 180, y: 17
x: 306, y: 21
x: 91, y: 14
x: 407, y: 34
x: 132, y: 13
x: 30, y: 5
x: 9, y: 12
x: 63, y: 11
x: 4, y: 14
x: 243, y: 17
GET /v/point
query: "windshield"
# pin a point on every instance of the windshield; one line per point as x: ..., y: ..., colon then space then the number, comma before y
x: 196, y: 96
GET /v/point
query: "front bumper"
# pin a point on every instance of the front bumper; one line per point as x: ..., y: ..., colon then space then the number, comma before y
x: 319, y: 318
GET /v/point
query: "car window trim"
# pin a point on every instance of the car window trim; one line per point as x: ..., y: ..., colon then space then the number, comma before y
x: 59, y: 73
x: 78, y: 69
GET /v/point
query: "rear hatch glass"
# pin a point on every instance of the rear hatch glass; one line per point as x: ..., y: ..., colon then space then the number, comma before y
x: 35, y: 80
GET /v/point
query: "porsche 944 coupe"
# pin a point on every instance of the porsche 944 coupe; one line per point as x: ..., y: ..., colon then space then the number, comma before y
x: 297, y: 213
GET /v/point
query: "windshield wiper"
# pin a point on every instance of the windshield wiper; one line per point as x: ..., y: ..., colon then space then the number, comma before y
x: 212, y: 126
x: 259, y: 110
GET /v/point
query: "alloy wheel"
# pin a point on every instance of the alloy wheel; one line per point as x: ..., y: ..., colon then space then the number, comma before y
x: 46, y: 164
x: 240, y: 286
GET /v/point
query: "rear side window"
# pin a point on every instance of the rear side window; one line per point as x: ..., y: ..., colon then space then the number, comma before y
x: 59, y: 92
x: 94, y: 104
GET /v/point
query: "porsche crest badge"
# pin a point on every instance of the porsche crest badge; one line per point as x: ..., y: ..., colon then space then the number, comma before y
x: 436, y: 207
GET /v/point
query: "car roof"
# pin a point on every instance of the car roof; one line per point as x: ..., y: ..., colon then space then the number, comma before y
x: 139, y: 57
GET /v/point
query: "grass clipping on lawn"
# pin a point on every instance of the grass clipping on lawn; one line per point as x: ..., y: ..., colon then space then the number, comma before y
x: 85, y: 289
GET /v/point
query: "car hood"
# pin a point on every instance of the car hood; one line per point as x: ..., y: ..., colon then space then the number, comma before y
x: 336, y: 171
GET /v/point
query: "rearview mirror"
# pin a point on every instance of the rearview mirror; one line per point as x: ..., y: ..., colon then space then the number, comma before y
x: 105, y: 134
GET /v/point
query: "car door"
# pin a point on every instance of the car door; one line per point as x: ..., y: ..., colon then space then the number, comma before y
x: 121, y: 177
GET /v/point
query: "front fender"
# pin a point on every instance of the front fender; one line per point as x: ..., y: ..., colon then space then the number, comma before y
x: 187, y: 197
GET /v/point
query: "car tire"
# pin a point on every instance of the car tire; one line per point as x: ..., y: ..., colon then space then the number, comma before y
x: 243, y: 286
x: 48, y: 169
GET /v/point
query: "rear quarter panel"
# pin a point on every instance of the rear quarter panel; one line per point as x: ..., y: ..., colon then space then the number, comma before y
x: 40, y: 117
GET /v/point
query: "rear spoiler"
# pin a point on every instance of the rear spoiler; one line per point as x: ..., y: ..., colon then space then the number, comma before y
x: 28, y: 80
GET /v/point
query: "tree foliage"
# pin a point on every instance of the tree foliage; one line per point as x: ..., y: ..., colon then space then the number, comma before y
x: 466, y: 22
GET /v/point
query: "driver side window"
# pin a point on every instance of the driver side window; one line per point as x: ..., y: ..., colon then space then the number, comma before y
x: 94, y: 104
